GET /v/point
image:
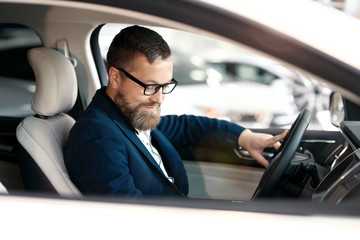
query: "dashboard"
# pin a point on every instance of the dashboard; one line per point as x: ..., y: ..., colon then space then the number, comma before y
x: 343, y: 181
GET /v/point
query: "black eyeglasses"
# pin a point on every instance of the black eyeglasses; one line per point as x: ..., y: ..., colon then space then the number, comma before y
x: 152, y: 89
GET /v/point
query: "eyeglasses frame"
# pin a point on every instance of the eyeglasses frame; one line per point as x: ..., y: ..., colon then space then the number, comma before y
x: 131, y: 77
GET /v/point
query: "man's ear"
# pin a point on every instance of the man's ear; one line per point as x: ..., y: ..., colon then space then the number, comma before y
x: 114, y: 78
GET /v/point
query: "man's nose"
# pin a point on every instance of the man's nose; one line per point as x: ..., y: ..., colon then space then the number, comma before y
x: 158, y: 97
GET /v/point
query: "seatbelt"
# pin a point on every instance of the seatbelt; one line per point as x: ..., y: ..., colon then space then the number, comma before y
x: 63, y: 47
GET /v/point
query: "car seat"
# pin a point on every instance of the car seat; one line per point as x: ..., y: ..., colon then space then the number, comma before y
x: 42, y: 137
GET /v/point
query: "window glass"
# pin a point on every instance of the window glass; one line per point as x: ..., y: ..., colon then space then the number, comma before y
x: 247, y: 72
x: 217, y: 79
x: 17, y: 80
x: 254, y: 74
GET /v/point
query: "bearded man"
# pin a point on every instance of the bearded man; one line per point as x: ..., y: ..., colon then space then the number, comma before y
x: 121, y: 146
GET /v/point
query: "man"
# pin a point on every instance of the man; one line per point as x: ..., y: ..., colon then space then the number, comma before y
x: 121, y: 146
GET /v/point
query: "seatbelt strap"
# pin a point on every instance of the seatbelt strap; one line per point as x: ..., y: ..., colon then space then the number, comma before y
x: 63, y: 47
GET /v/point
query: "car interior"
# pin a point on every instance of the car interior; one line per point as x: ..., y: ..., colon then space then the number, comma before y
x: 64, y: 68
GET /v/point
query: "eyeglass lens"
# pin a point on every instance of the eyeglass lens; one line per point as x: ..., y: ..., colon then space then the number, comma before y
x: 166, y: 88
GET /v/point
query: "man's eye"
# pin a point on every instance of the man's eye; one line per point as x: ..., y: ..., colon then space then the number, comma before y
x: 152, y: 87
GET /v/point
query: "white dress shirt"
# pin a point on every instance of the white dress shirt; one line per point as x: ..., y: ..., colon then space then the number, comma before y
x: 145, y: 138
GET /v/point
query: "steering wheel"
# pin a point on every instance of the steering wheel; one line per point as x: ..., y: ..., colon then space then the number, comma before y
x: 282, y: 158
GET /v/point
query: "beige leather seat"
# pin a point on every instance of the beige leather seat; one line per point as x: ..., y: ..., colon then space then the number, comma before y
x: 43, y: 136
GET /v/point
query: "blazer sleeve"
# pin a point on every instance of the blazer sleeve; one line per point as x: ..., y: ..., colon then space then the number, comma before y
x: 98, y: 164
x: 199, y: 131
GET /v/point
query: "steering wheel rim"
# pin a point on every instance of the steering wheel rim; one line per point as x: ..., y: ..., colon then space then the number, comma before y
x: 282, y: 158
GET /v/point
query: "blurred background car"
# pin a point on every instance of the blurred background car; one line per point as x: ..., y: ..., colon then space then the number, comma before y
x: 250, y: 68
x: 209, y: 91
x: 303, y: 91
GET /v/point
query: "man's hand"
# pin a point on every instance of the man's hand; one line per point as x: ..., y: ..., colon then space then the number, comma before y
x: 255, y: 143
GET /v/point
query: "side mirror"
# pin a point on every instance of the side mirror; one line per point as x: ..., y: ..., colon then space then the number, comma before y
x: 337, y: 110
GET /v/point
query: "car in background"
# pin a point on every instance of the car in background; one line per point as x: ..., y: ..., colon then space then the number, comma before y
x: 250, y: 68
x: 207, y: 91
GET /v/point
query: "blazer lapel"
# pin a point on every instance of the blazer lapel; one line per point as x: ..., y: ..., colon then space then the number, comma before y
x: 170, y: 157
x: 106, y: 104
x: 123, y: 126
x: 172, y: 161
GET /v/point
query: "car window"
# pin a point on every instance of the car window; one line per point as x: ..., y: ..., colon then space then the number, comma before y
x: 254, y: 74
x: 246, y: 72
x: 17, y: 80
x: 217, y: 79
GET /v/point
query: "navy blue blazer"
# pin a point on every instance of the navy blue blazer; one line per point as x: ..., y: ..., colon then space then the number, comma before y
x: 104, y: 155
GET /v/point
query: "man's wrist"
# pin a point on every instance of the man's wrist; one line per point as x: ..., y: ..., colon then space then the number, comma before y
x: 243, y: 138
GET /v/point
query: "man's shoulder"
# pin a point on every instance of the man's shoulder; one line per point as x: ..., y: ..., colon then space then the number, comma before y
x: 99, y: 109
x: 93, y: 118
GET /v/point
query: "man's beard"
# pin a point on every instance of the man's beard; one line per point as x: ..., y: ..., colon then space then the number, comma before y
x: 140, y: 118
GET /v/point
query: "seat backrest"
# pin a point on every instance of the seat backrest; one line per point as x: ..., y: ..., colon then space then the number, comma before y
x: 42, y: 137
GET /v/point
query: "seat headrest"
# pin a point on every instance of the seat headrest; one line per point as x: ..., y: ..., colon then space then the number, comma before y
x: 56, y: 83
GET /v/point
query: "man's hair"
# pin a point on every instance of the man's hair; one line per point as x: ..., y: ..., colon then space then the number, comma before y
x: 135, y: 40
